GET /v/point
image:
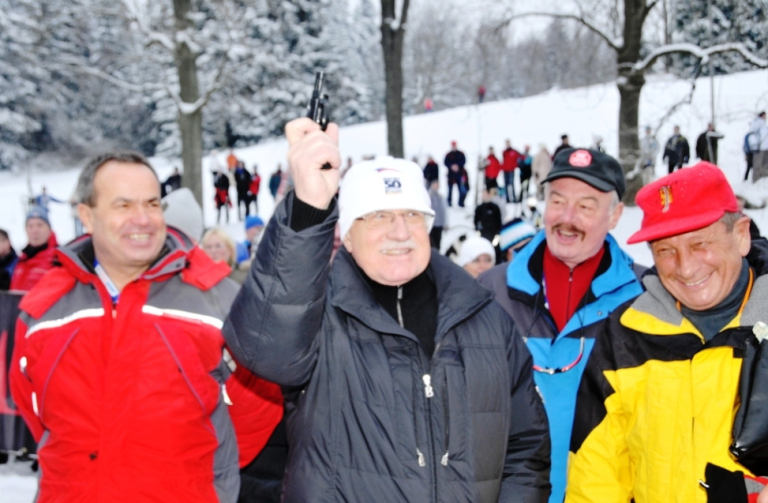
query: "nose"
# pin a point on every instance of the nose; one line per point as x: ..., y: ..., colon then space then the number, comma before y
x: 567, y: 214
x: 399, y: 230
x: 140, y: 215
x: 687, y: 265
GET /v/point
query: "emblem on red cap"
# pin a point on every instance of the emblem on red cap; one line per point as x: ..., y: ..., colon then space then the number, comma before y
x: 665, y: 196
x: 580, y: 159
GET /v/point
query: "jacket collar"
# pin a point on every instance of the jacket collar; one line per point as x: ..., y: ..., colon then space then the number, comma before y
x: 30, y: 252
x: 459, y: 296
x: 178, y: 254
x: 655, y: 312
x: 525, y: 272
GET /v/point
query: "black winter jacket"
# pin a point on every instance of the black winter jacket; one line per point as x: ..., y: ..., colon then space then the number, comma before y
x: 370, y: 416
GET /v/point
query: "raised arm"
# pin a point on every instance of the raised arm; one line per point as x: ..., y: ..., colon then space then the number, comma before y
x: 275, y: 320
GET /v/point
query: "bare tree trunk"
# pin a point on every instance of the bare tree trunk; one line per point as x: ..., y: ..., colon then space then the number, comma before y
x: 392, y: 35
x: 630, y: 85
x: 190, y: 124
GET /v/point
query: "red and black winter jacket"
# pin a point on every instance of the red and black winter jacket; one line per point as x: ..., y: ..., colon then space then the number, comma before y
x: 127, y: 400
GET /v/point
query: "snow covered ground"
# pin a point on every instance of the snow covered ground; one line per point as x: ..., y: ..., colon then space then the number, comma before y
x: 582, y: 113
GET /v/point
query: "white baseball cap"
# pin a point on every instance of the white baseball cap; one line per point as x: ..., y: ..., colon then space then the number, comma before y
x: 384, y: 183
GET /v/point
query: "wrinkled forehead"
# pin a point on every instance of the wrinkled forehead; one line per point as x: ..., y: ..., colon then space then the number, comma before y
x: 573, y: 188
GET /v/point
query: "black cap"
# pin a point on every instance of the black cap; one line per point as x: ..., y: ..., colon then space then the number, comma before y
x: 593, y: 167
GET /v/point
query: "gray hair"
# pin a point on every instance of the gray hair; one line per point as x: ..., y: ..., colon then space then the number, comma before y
x: 730, y: 218
x: 85, y: 192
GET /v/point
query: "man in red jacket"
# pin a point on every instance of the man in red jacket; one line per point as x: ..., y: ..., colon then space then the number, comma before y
x: 118, y: 365
x: 37, y: 257
x: 492, y: 169
x: 510, y: 158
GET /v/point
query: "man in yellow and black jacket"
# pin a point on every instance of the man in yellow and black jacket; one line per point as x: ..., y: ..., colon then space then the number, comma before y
x: 656, y: 404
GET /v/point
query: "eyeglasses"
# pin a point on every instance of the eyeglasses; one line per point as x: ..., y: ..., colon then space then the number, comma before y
x: 381, y: 219
x: 560, y: 370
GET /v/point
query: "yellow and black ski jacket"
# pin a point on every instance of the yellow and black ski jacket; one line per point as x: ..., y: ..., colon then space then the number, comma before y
x: 656, y: 403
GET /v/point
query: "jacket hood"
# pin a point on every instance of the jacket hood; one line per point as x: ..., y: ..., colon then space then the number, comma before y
x: 459, y: 295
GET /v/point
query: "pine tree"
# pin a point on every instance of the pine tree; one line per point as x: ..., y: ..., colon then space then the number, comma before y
x: 744, y: 21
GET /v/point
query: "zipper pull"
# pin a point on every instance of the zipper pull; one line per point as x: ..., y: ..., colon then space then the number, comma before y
x: 428, y: 391
x: 225, y: 395
x: 422, y: 461
x: 444, y: 459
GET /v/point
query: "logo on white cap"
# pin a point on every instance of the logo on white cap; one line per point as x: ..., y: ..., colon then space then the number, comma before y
x: 392, y: 186
x: 580, y: 159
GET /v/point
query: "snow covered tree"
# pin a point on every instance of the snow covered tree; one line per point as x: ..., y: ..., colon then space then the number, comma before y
x: 436, y: 64
x: 744, y: 21
x: 621, y: 25
x: 274, y: 65
x: 366, y: 63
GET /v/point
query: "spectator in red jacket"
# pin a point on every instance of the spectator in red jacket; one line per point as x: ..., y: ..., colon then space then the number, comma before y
x: 510, y: 158
x: 37, y: 257
x: 492, y: 169
x: 253, y: 190
x: 118, y: 365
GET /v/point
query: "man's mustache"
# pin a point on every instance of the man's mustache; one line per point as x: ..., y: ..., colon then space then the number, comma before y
x: 568, y: 228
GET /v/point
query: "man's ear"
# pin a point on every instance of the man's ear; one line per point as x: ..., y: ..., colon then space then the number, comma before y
x: 347, y: 241
x: 85, y: 213
x: 743, y: 238
x: 616, y: 215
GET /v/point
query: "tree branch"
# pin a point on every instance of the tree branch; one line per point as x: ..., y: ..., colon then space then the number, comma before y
x: 647, y: 9
x: 192, y: 108
x: 151, y: 37
x: 615, y: 44
x: 404, y: 13
x: 702, y: 54
x: 79, y: 67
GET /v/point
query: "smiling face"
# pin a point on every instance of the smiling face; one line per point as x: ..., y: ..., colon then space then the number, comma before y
x: 577, y: 218
x: 126, y: 221
x: 392, y: 254
x: 700, y: 268
x: 217, y: 248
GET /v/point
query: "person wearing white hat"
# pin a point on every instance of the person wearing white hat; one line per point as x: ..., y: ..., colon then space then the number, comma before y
x: 408, y: 382
x: 476, y: 256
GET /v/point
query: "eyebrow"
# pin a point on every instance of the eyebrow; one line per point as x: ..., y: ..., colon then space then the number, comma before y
x: 127, y: 200
x: 591, y: 198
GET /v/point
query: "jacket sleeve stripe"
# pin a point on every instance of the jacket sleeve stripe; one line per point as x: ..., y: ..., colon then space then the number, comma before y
x: 208, y: 320
x: 78, y: 315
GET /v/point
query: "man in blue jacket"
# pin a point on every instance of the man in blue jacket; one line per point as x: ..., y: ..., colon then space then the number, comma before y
x: 403, y: 380
x: 562, y: 286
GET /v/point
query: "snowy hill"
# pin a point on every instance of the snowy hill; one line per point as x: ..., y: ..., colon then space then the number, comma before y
x: 582, y: 113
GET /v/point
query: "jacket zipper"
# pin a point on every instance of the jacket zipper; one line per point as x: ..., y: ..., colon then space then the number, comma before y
x: 429, y: 392
x: 399, y: 310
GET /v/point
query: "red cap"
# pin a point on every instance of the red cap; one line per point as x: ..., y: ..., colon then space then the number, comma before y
x: 687, y: 200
